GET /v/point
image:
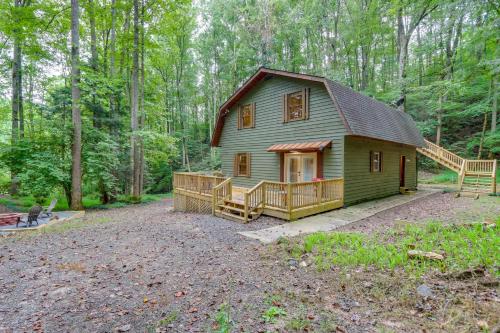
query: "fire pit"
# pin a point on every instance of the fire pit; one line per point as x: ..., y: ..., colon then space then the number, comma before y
x: 9, y: 219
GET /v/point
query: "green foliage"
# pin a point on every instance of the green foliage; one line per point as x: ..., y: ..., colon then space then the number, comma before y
x: 272, y: 313
x: 389, y: 251
x: 169, y: 319
x: 24, y: 203
x: 223, y: 319
x: 196, y: 54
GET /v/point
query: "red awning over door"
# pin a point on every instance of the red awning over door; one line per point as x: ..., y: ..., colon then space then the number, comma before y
x: 301, y: 147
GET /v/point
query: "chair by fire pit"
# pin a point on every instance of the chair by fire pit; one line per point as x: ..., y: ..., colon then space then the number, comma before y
x: 32, y: 217
x: 48, y: 211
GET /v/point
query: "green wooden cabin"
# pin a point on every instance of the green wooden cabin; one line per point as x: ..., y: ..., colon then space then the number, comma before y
x: 290, y: 127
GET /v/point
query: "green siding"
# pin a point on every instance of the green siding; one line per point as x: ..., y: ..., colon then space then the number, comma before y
x: 361, y: 184
x: 324, y: 123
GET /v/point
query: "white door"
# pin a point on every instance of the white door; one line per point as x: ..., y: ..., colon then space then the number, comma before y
x: 300, y: 167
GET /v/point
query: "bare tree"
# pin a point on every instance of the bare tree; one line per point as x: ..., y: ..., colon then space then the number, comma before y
x: 407, y: 23
x: 134, y: 111
x: 76, y: 149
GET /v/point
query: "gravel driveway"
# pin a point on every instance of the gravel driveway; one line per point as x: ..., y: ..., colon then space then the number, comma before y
x: 146, y: 269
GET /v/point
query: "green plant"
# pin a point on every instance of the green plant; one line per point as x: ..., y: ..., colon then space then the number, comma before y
x: 223, y: 319
x: 272, y: 313
x: 298, y: 324
x: 390, y: 250
x: 169, y: 319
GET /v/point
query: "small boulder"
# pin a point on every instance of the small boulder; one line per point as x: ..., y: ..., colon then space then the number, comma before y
x: 424, y: 291
x: 124, y: 328
x: 426, y: 255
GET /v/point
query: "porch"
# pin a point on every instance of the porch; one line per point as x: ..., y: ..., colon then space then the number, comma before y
x: 216, y: 195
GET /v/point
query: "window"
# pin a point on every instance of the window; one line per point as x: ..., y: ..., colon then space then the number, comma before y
x: 376, y: 161
x: 242, y: 165
x: 296, y: 106
x: 246, y: 116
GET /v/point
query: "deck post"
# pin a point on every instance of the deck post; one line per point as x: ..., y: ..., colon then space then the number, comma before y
x: 494, y: 177
x: 263, y: 195
x: 245, y: 214
x: 289, y: 200
x: 320, y: 192
x: 214, y: 200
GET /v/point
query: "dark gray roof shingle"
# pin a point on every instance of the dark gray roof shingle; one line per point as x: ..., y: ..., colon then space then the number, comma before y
x: 371, y: 118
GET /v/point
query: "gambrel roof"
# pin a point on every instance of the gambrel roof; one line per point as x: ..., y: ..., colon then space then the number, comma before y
x: 361, y: 115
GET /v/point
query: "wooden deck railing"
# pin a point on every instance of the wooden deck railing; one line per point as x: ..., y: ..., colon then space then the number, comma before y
x: 284, y: 200
x: 195, y: 182
x: 480, y: 166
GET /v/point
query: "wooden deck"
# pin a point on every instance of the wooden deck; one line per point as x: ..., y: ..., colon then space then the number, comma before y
x: 289, y: 201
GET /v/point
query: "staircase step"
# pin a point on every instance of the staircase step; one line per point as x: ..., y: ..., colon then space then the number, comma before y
x: 232, y: 217
x: 234, y: 203
x: 237, y: 209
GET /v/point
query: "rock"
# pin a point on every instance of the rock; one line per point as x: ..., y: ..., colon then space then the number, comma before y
x: 425, y: 291
x: 303, y: 264
x: 470, y: 273
x: 293, y: 262
x: 59, y: 292
x: 426, y: 255
x: 124, y: 328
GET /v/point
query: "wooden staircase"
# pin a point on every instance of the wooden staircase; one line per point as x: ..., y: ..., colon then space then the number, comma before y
x: 474, y: 176
x: 243, y: 209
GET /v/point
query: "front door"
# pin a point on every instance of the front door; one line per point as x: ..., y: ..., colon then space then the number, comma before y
x: 300, y: 167
x: 402, y: 170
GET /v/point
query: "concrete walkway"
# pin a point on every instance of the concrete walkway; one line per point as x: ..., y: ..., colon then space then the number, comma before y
x: 336, y: 218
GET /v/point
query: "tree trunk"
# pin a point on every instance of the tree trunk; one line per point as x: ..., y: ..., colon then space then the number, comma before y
x: 494, y: 108
x: 76, y: 149
x: 134, y: 121
x: 93, y: 63
x: 112, y: 52
x: 483, y: 132
x: 420, y: 59
x: 142, y: 114
x: 17, y: 96
x: 439, y: 121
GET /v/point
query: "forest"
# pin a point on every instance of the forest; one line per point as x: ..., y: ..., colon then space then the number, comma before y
x: 107, y: 98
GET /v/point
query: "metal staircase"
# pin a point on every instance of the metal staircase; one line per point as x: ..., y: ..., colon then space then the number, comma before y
x: 474, y: 176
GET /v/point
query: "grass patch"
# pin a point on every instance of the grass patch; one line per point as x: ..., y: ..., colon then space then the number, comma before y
x: 463, y: 246
x: 223, y: 323
x: 272, y: 313
x: 24, y: 203
x: 169, y: 319
x: 444, y: 177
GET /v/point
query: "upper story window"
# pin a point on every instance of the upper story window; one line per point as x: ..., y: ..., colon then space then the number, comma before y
x: 296, y: 105
x: 246, y: 116
x: 376, y: 161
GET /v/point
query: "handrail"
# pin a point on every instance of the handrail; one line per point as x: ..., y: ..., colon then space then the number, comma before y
x: 254, y: 198
x: 443, y: 153
x: 221, y: 192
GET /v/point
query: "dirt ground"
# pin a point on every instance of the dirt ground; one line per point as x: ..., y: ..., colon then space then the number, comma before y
x: 146, y: 269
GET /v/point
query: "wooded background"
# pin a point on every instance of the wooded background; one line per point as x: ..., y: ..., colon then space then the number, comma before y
x: 141, y: 80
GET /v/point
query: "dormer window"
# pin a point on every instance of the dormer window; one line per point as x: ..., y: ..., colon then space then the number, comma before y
x: 296, y: 105
x: 246, y: 116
